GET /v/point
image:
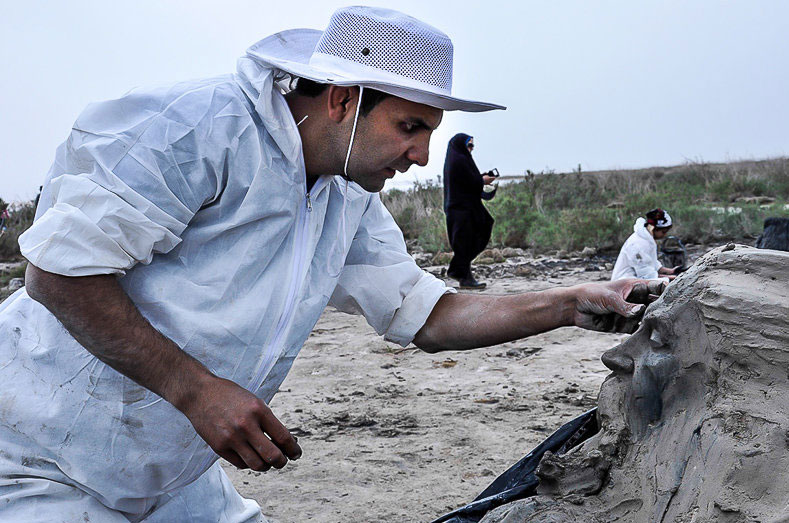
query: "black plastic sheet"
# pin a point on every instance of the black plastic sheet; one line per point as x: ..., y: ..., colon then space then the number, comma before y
x: 519, y: 481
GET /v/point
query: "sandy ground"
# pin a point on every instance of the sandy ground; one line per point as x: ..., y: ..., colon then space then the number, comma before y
x: 393, y: 434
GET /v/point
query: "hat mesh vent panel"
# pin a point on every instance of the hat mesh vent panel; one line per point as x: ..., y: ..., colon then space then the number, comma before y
x: 405, y: 49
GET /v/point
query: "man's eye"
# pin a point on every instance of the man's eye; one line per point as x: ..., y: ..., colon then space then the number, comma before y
x: 408, y: 127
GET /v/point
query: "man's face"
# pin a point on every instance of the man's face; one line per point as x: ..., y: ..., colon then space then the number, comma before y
x: 391, y: 138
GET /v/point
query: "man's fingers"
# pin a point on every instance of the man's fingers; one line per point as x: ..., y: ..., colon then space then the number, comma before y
x: 627, y: 325
x: 268, y: 451
x: 633, y: 310
x: 253, y: 458
x: 280, y: 436
x: 616, y: 304
x: 656, y: 286
x: 234, y: 459
x: 646, y: 291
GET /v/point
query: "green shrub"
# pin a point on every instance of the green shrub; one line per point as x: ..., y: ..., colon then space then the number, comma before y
x: 419, y: 212
x: 21, y: 217
x: 15, y: 272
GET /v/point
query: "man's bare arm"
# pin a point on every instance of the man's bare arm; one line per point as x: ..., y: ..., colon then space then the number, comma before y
x: 467, y: 321
x: 102, y: 318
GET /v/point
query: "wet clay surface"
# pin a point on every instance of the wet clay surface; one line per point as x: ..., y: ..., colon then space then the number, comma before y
x: 400, y: 435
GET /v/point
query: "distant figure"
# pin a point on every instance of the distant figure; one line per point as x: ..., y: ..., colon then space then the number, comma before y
x: 638, y: 257
x: 468, y: 222
x: 4, y: 217
x: 38, y: 197
x: 775, y: 235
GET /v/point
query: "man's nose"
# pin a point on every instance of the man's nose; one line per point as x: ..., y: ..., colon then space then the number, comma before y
x: 418, y: 153
x: 618, y: 361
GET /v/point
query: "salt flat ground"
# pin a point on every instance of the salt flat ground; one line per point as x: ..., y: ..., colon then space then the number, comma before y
x: 393, y: 434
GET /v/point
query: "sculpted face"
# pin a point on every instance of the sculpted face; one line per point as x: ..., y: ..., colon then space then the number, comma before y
x: 658, y: 370
x: 694, y: 424
x: 392, y: 137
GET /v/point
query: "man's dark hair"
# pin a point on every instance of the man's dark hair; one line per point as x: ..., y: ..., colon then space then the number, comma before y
x: 370, y: 97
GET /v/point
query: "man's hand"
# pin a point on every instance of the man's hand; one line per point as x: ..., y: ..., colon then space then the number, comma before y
x: 615, y: 306
x: 101, y: 317
x: 239, y: 426
x: 487, y: 179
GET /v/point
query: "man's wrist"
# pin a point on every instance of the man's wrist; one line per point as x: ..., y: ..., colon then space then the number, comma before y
x: 564, y: 301
x: 184, y: 388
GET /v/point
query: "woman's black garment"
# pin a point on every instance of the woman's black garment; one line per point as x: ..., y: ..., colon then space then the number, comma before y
x: 468, y: 222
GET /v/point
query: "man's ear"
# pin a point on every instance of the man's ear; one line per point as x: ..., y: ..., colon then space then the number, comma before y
x: 341, y: 102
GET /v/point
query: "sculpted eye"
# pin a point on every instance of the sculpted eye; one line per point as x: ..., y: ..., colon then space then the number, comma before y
x: 658, y: 340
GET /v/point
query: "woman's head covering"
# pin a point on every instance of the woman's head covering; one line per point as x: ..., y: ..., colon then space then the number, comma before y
x: 459, y: 144
x: 459, y: 166
x: 659, y: 218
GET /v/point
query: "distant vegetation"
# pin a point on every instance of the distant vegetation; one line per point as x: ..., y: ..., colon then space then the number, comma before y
x: 551, y: 211
x: 20, y: 218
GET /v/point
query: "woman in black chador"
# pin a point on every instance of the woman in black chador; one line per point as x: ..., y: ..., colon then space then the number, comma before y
x: 468, y: 222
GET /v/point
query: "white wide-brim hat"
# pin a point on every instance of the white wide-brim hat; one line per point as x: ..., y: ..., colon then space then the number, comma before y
x: 371, y: 47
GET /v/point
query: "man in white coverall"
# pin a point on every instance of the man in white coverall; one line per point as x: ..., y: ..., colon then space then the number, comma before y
x: 186, y: 242
x: 638, y: 257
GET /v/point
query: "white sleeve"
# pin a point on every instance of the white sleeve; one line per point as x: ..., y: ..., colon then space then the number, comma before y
x: 128, y: 180
x: 383, y: 282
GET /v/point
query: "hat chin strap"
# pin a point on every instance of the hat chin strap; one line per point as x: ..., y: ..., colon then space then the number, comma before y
x: 345, y: 173
x: 353, y: 134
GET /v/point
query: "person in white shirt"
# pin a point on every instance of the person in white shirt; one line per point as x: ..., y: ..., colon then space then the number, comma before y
x: 638, y: 257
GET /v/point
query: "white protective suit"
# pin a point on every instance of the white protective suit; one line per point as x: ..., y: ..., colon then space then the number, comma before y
x: 638, y: 257
x: 195, y: 195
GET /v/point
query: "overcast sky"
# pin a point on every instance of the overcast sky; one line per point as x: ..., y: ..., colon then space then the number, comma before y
x: 601, y: 84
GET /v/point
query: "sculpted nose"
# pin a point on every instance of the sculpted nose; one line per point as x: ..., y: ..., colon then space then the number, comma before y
x: 617, y: 361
